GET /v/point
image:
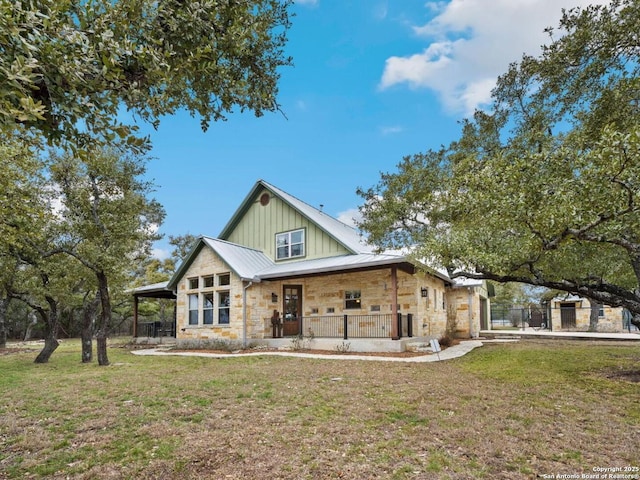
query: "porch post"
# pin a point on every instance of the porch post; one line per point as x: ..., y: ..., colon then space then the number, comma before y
x: 394, y: 303
x: 135, y: 316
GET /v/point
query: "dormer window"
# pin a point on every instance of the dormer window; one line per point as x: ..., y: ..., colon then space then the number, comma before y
x: 290, y: 244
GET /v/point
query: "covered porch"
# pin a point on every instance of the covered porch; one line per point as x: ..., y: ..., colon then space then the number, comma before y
x: 164, y: 326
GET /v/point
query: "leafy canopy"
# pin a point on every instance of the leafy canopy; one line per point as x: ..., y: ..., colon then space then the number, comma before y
x: 68, y: 67
x: 545, y: 188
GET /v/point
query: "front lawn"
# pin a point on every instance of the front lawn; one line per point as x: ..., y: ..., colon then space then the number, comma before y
x: 522, y: 410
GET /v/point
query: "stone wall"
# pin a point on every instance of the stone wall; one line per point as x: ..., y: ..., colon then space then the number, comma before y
x: 324, y: 296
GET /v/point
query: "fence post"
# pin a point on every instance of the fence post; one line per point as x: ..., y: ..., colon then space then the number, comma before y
x: 399, y: 326
x: 346, y: 325
x: 409, y: 325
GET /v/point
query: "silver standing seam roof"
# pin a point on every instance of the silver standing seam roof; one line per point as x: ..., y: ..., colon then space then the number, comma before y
x: 253, y: 265
x: 341, y: 232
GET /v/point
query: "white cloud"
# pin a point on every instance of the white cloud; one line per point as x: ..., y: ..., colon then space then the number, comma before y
x: 381, y: 10
x: 160, y: 253
x: 349, y: 217
x: 307, y: 2
x: 469, y: 43
x: 391, y: 130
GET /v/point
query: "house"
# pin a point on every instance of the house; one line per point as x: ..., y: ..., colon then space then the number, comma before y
x: 281, y: 268
x: 572, y: 313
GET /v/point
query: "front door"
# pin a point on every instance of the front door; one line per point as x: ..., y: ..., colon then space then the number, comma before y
x: 292, y: 309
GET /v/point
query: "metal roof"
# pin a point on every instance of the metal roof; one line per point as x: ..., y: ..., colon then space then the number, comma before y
x: 330, y: 264
x: 155, y: 290
x: 341, y: 232
x: 253, y: 265
x: 244, y: 261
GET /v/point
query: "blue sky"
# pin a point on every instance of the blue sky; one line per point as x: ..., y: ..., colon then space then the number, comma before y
x: 372, y: 82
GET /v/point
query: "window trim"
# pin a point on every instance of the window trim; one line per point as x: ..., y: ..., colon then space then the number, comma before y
x: 289, y: 245
x: 190, y: 309
x: 198, y: 314
x: 211, y: 309
x: 221, y: 308
x: 357, y: 298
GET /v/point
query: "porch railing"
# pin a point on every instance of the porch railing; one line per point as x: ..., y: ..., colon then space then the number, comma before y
x: 156, y: 329
x: 352, y: 326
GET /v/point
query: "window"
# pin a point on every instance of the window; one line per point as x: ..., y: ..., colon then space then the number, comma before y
x: 600, y: 310
x: 223, y: 307
x: 209, y: 305
x: 224, y: 279
x: 352, y: 299
x: 193, y: 309
x: 290, y: 244
x: 330, y: 310
x: 207, y: 309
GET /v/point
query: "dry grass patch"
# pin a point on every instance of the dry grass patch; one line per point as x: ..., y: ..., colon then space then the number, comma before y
x: 503, y: 411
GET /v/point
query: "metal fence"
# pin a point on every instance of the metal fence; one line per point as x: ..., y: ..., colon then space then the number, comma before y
x: 536, y: 317
x: 561, y: 317
x: 354, y: 326
x: 157, y: 329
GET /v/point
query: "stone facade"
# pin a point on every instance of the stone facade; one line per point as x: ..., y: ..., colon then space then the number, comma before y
x: 279, y: 257
x: 610, y: 319
x: 208, y: 264
x: 425, y: 297
x: 466, y: 306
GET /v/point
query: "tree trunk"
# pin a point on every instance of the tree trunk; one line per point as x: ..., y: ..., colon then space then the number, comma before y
x: 32, y: 321
x: 52, y: 324
x: 594, y: 315
x: 4, y: 305
x: 89, y: 312
x: 105, y: 319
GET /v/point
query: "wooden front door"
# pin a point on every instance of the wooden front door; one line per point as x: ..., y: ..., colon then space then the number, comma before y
x: 292, y: 309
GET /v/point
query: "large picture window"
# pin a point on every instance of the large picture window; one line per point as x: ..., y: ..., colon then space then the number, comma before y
x: 209, y: 305
x: 290, y: 244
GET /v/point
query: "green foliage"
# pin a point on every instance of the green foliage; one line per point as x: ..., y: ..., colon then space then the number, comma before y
x: 182, y: 245
x: 67, y: 68
x: 106, y: 218
x: 543, y: 190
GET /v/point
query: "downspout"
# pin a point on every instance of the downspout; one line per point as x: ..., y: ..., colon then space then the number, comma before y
x: 244, y: 314
x: 244, y: 309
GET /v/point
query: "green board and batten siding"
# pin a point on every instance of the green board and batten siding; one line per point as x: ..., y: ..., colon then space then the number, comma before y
x: 260, y: 223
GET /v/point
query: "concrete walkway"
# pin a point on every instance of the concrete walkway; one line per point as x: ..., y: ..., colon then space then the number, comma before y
x: 455, y: 351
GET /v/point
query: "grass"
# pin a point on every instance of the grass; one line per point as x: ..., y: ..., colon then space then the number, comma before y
x: 503, y: 411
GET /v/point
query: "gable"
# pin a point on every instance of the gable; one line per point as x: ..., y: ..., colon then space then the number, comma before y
x: 242, y: 261
x: 266, y: 213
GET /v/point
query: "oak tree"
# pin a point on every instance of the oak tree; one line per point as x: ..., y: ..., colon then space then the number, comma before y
x: 544, y: 188
x: 107, y: 220
x: 69, y: 68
